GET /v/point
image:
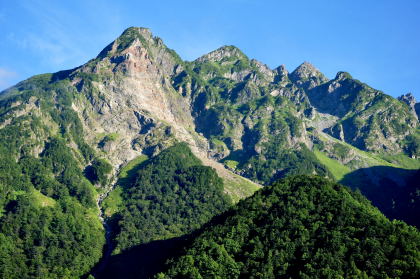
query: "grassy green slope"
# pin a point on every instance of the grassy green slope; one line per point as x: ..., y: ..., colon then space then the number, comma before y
x: 337, y: 169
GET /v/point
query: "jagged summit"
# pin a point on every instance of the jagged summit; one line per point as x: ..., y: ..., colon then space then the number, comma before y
x: 305, y: 71
x: 126, y: 39
x: 226, y: 52
x: 343, y: 75
x: 307, y: 65
x: 408, y: 98
x: 307, y: 76
x: 281, y: 70
x: 135, y: 52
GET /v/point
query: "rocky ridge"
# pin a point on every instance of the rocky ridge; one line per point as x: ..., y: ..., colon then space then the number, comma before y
x: 144, y: 95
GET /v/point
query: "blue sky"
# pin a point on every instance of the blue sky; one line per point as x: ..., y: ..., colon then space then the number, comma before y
x: 377, y: 41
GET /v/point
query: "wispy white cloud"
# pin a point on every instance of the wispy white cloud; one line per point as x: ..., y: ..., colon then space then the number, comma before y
x: 49, y: 37
x: 41, y: 36
x: 53, y: 50
x: 6, y: 78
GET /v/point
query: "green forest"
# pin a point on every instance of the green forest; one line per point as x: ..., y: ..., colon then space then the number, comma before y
x: 171, y: 195
x: 301, y: 227
x: 49, y: 226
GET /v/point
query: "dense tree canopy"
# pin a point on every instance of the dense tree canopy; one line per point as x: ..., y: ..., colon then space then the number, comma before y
x: 49, y: 226
x: 301, y: 227
x: 173, y: 195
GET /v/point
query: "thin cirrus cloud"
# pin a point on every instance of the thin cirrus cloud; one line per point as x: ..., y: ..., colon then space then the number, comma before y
x: 50, y: 41
x: 51, y: 37
x: 6, y: 77
x: 58, y: 36
x: 53, y: 50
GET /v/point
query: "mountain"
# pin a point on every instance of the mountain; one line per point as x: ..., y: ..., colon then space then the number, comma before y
x: 301, y: 227
x: 76, y: 145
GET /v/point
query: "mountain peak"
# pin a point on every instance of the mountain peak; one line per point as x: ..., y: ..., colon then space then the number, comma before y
x: 143, y: 30
x: 281, y: 70
x: 307, y: 76
x: 408, y: 98
x: 306, y: 71
x: 126, y: 39
x: 226, y: 52
x: 133, y: 33
x: 134, y: 51
x: 343, y: 75
x: 308, y: 65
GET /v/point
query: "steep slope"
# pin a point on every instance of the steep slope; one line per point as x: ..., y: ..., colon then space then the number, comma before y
x: 129, y: 95
x: 127, y: 92
x: 250, y: 114
x: 48, y: 217
x: 301, y: 227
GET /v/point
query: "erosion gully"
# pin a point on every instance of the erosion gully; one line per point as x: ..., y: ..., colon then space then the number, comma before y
x: 109, y: 245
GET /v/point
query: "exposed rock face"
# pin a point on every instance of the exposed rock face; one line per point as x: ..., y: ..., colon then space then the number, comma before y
x: 221, y: 54
x: 146, y: 80
x: 281, y: 75
x: 307, y: 76
x: 134, y: 98
x: 266, y: 72
x: 408, y: 99
x: 411, y: 102
x: 367, y: 118
x: 336, y: 96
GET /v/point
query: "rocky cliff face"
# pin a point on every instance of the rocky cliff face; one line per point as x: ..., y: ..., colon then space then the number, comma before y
x: 367, y: 118
x: 307, y: 76
x: 412, y: 103
x: 130, y: 95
